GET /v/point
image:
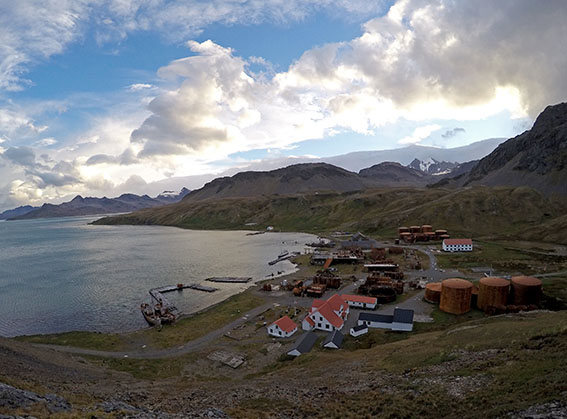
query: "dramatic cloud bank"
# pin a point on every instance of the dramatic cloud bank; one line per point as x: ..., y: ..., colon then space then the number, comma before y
x: 423, y: 62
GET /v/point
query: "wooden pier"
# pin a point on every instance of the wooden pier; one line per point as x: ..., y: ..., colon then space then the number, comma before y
x: 230, y: 279
x: 157, y: 294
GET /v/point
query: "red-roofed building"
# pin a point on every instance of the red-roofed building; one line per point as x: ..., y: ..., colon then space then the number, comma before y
x: 457, y: 245
x: 360, y: 301
x: 327, y: 315
x: 282, y: 328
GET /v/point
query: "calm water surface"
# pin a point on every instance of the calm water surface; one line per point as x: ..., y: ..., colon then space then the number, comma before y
x: 59, y: 275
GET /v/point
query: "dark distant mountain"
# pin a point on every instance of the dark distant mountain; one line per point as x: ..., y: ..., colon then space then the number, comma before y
x: 390, y: 174
x: 294, y: 179
x: 16, y: 212
x: 92, y: 206
x: 537, y: 158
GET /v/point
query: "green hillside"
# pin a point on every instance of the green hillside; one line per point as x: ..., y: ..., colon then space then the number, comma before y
x: 475, y: 212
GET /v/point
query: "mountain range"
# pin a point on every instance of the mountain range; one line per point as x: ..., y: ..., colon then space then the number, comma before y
x: 93, y: 206
x: 478, y: 197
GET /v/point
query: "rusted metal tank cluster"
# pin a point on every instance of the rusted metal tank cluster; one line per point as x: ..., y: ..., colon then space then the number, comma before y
x: 382, y: 287
x: 327, y: 278
x: 422, y: 233
x: 494, y: 295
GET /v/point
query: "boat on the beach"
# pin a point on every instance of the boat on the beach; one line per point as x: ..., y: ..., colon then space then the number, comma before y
x: 156, y: 315
x: 283, y: 254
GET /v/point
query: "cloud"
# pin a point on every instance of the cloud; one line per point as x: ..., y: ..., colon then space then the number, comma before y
x: 450, y: 133
x: 32, y: 31
x: 419, y: 134
x: 45, y: 142
x: 21, y: 156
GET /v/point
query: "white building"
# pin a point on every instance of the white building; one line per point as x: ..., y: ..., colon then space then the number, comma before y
x: 401, y: 320
x: 457, y: 245
x: 358, y: 330
x: 282, y: 328
x: 360, y: 301
x: 326, y: 315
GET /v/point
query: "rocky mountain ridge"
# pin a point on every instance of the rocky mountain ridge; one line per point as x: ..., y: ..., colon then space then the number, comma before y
x: 92, y: 206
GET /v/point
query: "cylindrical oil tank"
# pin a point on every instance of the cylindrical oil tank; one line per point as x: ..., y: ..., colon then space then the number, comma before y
x: 440, y: 232
x: 492, y: 292
x: 403, y: 230
x: 426, y: 228
x: 456, y: 296
x: 474, y: 296
x: 433, y: 292
x: 415, y: 229
x: 525, y: 290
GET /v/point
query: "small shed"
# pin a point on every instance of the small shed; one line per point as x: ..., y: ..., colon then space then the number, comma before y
x: 282, y: 328
x: 358, y: 330
x: 403, y: 320
x: 334, y: 340
x: 303, y: 344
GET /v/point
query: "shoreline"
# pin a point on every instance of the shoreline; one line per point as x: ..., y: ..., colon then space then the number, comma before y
x: 183, y: 316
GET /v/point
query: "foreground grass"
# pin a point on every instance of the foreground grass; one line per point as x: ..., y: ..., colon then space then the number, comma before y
x: 89, y: 340
x: 482, y: 368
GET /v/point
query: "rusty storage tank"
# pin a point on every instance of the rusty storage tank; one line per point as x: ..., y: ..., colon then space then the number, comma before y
x: 426, y: 228
x: 415, y: 229
x: 456, y: 296
x: 525, y: 290
x: 403, y: 230
x: 492, y: 292
x: 433, y: 292
x: 440, y: 232
x: 474, y: 296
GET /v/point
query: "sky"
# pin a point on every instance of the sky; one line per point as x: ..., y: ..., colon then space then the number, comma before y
x: 100, y: 97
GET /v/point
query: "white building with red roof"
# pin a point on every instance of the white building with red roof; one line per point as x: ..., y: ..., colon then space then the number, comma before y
x: 457, y: 245
x: 360, y: 301
x: 327, y: 315
x: 282, y: 328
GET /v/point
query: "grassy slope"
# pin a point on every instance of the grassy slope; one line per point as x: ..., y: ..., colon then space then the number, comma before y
x: 475, y: 212
x: 496, y: 365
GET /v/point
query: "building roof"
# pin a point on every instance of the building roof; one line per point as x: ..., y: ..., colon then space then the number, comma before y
x: 305, y: 342
x: 359, y: 328
x: 310, y: 320
x: 359, y: 299
x: 327, y: 312
x: 286, y: 324
x: 372, y: 317
x: 336, y: 302
x: 403, y: 316
x: 449, y: 242
x: 335, y: 337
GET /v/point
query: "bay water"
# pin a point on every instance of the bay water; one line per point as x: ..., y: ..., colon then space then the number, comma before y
x: 62, y: 274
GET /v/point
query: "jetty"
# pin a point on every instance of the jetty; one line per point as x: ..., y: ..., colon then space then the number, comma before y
x: 157, y: 294
x: 282, y: 258
x: 230, y: 279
